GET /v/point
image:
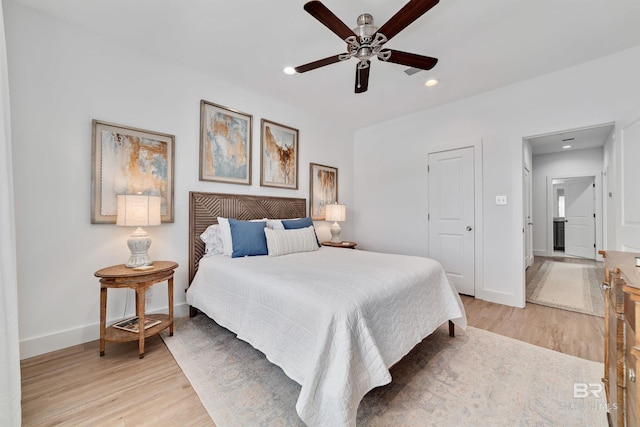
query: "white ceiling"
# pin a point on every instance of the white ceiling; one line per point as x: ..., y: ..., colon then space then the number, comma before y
x: 481, y: 45
x: 578, y: 139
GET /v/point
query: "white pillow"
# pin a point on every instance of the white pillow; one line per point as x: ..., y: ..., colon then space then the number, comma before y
x: 212, y: 238
x: 225, y: 231
x: 275, y: 224
x: 283, y: 242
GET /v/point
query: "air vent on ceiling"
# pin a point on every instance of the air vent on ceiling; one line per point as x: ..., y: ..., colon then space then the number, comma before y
x: 412, y: 71
x: 568, y: 139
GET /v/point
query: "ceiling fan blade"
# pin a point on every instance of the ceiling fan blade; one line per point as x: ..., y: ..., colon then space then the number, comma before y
x: 362, y: 78
x: 411, y: 59
x: 326, y: 17
x: 405, y: 16
x: 317, y: 64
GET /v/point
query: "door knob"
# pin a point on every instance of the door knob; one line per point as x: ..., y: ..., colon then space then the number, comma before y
x: 469, y: 228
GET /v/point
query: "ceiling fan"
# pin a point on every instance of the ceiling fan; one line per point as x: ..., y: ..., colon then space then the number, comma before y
x: 366, y: 40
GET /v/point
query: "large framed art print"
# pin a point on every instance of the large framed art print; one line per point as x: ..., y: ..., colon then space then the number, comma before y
x: 129, y: 160
x: 225, y: 144
x: 278, y: 155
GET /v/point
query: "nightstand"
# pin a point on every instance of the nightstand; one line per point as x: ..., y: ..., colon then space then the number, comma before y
x: 119, y: 276
x: 348, y: 245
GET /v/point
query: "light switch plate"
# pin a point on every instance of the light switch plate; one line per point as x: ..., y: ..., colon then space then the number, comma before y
x: 501, y: 200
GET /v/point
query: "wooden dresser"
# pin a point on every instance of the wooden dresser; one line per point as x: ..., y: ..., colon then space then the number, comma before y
x: 621, y: 336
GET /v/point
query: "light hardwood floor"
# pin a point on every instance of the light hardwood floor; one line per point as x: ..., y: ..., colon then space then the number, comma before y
x: 76, y: 386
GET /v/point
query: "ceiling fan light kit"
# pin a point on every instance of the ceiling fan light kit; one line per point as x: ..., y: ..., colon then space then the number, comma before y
x: 366, y: 40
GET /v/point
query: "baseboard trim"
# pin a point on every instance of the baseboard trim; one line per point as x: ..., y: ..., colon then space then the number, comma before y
x: 63, y: 339
x: 498, y: 298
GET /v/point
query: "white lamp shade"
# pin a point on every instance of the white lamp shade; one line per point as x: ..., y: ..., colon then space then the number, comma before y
x: 335, y: 212
x: 138, y: 210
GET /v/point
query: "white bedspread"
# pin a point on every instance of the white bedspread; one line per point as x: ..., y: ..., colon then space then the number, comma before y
x: 334, y: 320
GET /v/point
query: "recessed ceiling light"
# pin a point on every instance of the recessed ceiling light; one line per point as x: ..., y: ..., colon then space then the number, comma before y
x: 431, y: 82
x: 289, y: 71
x: 564, y: 147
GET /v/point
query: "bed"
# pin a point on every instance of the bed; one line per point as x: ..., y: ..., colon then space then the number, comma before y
x: 335, y: 320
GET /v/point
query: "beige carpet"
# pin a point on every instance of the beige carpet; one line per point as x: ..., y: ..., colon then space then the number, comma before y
x: 475, y: 379
x: 571, y: 286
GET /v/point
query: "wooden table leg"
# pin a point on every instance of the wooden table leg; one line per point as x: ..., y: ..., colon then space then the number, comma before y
x: 170, y: 290
x: 137, y: 301
x: 140, y: 302
x: 103, y: 318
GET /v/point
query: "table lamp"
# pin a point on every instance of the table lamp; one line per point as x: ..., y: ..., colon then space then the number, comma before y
x: 138, y: 210
x: 335, y: 213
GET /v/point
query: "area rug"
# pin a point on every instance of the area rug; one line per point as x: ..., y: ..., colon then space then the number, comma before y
x: 568, y: 285
x: 475, y: 379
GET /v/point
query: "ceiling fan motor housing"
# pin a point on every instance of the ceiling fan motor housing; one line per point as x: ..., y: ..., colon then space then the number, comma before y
x: 365, y: 29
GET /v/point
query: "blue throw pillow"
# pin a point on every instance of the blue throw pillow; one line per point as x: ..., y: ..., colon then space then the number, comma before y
x: 292, y: 224
x: 248, y: 238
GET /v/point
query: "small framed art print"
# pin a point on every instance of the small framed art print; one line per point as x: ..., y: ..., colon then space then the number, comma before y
x: 278, y: 155
x: 323, y: 189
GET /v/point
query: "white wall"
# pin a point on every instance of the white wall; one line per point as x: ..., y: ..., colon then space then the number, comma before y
x: 390, y: 174
x: 627, y: 194
x: 62, y: 77
x: 589, y: 162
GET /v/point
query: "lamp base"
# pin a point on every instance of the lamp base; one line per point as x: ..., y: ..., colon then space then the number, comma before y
x: 335, y: 233
x: 138, y: 260
x: 139, y: 243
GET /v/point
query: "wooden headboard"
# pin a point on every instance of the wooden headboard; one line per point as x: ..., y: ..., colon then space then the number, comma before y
x: 205, y: 208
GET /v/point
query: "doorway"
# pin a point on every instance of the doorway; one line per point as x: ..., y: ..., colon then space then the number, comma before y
x: 576, y: 153
x: 565, y: 155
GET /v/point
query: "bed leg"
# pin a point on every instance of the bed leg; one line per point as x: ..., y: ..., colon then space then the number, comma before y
x: 192, y: 311
x: 452, y: 329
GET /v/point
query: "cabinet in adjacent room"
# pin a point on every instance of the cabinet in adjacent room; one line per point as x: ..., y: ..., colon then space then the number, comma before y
x: 558, y: 234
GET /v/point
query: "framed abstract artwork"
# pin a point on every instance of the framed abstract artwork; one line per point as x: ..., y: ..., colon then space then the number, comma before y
x: 225, y: 144
x: 127, y: 160
x: 323, y: 189
x: 278, y: 155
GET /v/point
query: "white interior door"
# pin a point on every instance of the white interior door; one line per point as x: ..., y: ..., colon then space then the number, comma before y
x: 527, y: 226
x: 579, y: 227
x: 451, y: 215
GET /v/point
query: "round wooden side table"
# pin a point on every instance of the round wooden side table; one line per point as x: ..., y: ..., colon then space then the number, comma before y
x: 119, y: 276
x: 348, y: 245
